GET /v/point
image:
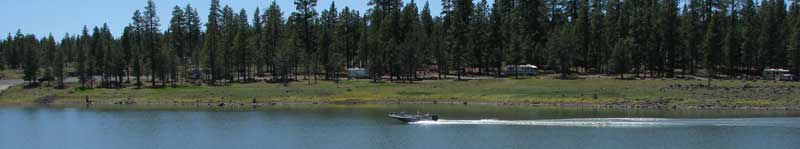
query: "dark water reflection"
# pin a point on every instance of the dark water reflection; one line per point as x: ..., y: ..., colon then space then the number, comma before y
x: 366, y: 126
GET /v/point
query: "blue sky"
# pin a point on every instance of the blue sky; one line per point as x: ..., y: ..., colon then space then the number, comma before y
x: 42, y: 17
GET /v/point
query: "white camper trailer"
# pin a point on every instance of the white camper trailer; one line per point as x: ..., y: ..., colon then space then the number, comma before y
x: 778, y: 75
x: 357, y: 73
x: 529, y: 70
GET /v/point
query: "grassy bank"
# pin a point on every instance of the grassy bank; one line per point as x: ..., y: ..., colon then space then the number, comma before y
x: 604, y: 91
x: 10, y: 74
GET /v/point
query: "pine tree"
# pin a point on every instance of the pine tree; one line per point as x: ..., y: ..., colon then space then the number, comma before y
x: 410, y: 42
x: 306, y: 14
x: 440, y: 55
x: 59, y: 60
x: 731, y: 41
x: 772, y: 39
x: 129, y: 45
x: 15, y: 51
x: 108, y: 56
x: 391, y: 38
x: 364, y: 43
x: 669, y: 34
x: 95, y: 54
x: 132, y: 46
x: 48, y: 50
x: 242, y: 47
x: 169, y: 59
x: 383, y: 44
x: 736, y: 37
x: 211, y: 42
x: 496, y: 39
x: 564, y: 45
x: 639, y: 32
x: 194, y: 40
x: 30, y: 63
x: 620, y: 57
x: 613, y: 25
x: 228, y: 53
x: 517, y: 31
x: 5, y: 50
x: 582, y: 29
x: 654, y: 55
x: 81, y: 58
x: 459, y: 32
x: 152, y: 39
x: 598, y: 53
x: 480, y: 36
x: 178, y: 41
x: 178, y: 31
x: 350, y: 31
x: 750, y: 33
x: 427, y: 28
x: 117, y: 64
x: 779, y: 35
x: 327, y: 50
x: 274, y: 35
x: 257, y: 42
x: 712, y: 46
x: 794, y: 46
x: 534, y: 29
x: 693, y: 30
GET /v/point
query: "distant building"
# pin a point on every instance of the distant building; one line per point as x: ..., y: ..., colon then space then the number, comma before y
x: 778, y: 75
x: 357, y: 73
x: 521, y: 70
x: 197, y: 74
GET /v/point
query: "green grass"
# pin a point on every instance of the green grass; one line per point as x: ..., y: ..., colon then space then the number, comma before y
x: 11, y: 74
x: 545, y: 91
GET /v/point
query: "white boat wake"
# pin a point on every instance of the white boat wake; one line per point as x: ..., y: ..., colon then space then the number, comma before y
x: 626, y: 122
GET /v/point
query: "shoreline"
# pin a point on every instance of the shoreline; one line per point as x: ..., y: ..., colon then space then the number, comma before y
x: 535, y: 92
x: 435, y: 102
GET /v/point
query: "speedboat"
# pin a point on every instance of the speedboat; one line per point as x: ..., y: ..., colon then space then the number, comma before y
x: 402, y: 116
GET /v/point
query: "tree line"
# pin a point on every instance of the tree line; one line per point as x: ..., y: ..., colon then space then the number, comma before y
x: 401, y: 42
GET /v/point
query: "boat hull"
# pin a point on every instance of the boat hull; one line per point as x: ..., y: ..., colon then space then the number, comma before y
x: 408, y: 118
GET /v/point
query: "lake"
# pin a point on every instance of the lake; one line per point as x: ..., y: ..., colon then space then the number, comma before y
x: 368, y: 127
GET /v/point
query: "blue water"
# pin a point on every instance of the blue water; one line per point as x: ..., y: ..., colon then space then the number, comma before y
x: 367, y: 127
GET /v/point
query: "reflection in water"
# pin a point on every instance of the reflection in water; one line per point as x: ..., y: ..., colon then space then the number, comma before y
x: 627, y: 122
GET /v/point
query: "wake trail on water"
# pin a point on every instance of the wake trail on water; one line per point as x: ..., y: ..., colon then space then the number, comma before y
x: 627, y: 122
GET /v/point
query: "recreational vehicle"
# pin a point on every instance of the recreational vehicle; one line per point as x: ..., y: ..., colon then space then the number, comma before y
x: 528, y: 70
x: 357, y: 73
x: 778, y: 75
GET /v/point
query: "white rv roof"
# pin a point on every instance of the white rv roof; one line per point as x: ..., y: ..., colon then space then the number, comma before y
x: 776, y: 70
x: 527, y: 65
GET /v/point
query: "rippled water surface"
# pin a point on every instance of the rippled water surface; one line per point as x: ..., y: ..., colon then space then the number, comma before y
x: 366, y: 126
